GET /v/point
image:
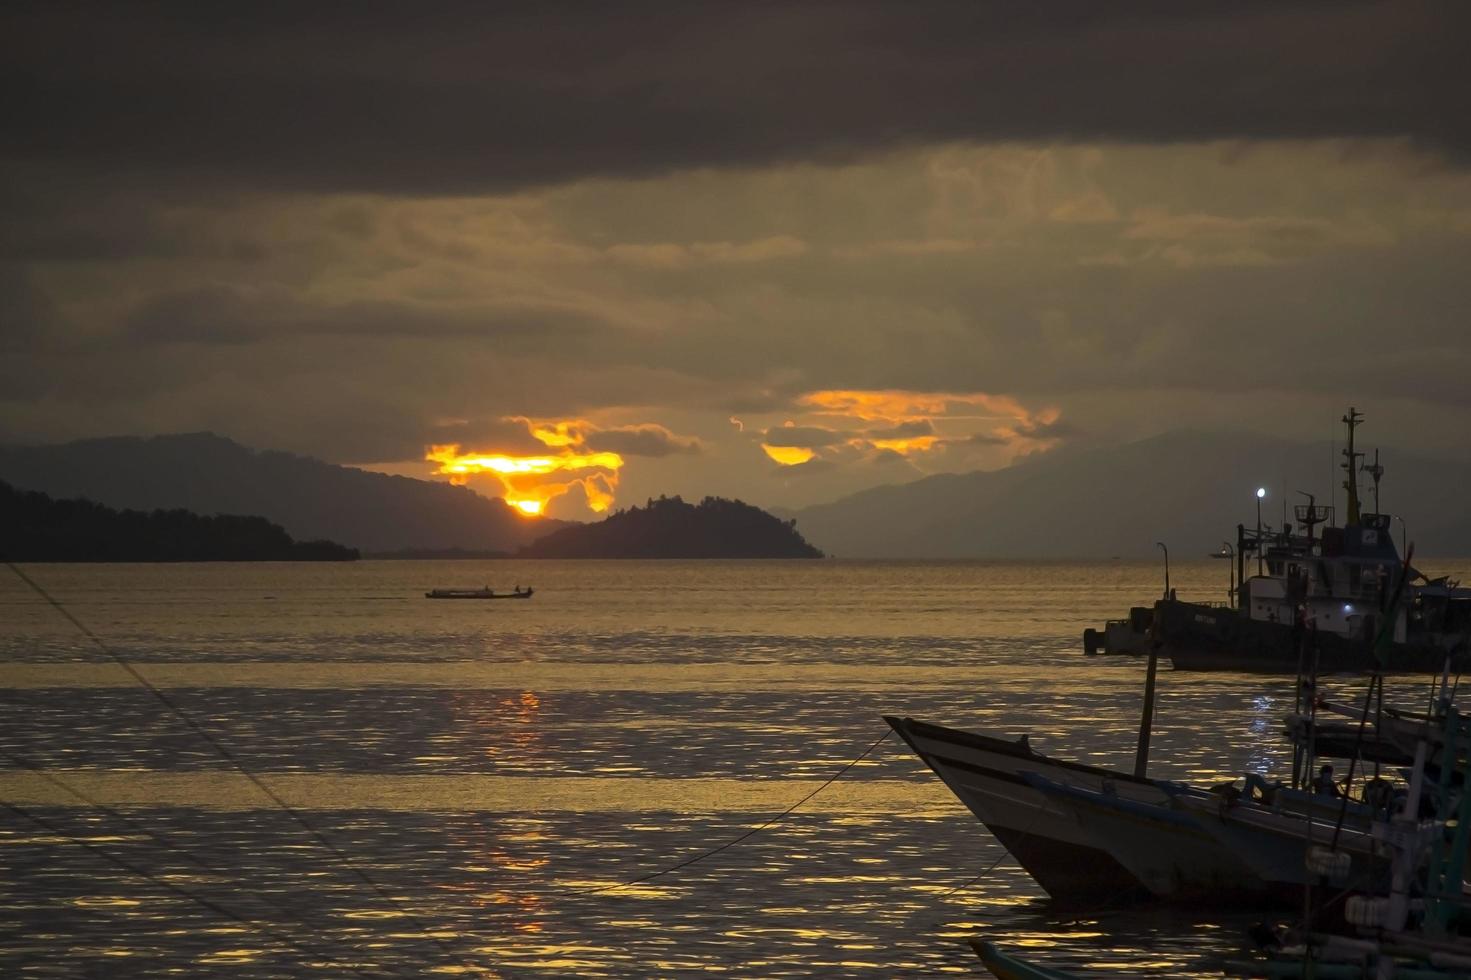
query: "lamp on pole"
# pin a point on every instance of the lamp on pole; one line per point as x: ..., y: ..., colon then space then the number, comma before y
x: 1260, y: 493
x: 1162, y: 547
x: 1230, y: 574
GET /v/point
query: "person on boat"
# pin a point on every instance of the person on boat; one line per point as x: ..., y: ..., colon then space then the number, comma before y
x: 1324, y: 785
x: 1379, y: 794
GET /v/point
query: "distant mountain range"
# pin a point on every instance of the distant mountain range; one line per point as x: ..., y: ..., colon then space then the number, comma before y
x: 670, y: 528
x: 311, y: 499
x: 1187, y: 489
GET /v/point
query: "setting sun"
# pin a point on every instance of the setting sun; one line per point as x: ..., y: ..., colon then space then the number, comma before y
x: 529, y: 483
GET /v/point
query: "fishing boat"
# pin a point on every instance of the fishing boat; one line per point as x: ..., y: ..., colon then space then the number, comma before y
x: 1415, y: 924
x: 1089, y: 835
x: 986, y: 774
x: 1321, y: 593
x: 485, y: 593
x: 1005, y: 966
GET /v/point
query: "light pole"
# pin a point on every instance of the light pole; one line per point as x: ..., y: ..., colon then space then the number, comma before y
x: 1230, y: 574
x: 1167, y: 567
x: 1260, y: 493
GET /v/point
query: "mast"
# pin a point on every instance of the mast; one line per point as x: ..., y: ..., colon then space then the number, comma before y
x: 1351, y: 466
x: 1376, y: 471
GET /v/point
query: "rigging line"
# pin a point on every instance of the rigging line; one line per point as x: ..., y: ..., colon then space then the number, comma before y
x: 736, y: 840
x: 1391, y: 613
x: 215, y: 907
x: 158, y: 838
x: 987, y: 870
x: 235, y: 761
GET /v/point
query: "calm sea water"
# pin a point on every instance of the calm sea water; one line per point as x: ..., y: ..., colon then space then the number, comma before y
x: 493, y: 767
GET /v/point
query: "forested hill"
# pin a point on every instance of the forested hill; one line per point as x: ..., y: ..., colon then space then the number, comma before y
x: 670, y: 528
x: 35, y: 528
x: 311, y: 499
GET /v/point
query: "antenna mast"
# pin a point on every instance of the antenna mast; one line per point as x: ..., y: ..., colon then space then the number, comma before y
x: 1376, y: 471
x: 1351, y: 466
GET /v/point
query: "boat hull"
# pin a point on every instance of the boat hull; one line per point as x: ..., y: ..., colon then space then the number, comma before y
x: 1209, y: 638
x: 986, y: 774
x: 1090, y: 835
x: 1004, y: 966
x: 1166, y: 849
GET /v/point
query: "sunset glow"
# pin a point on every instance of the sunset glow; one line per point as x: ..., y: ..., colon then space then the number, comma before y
x: 932, y: 430
x: 529, y: 483
x: 896, y: 404
x: 904, y: 447
x: 788, y: 455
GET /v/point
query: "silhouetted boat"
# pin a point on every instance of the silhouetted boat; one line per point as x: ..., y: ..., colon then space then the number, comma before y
x: 485, y: 593
x: 1131, y: 636
x: 1319, y: 600
x: 1004, y: 966
x: 1090, y: 835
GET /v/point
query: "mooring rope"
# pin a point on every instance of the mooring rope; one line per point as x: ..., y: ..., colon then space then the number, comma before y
x: 736, y: 840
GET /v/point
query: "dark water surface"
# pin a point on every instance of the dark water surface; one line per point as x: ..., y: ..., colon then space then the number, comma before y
x: 490, y: 766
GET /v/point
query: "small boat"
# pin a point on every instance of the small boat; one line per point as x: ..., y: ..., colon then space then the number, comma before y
x: 1131, y: 636
x: 485, y: 593
x: 1004, y: 966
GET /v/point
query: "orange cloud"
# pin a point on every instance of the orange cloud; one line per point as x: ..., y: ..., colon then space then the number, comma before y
x: 523, y: 479
x: 581, y: 454
x: 898, y: 405
x: 912, y: 424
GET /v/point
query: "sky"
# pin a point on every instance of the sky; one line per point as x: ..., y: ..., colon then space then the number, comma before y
x: 579, y: 255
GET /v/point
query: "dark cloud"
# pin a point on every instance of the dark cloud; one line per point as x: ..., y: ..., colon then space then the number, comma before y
x: 642, y: 440
x: 465, y: 97
x: 805, y: 436
x: 903, y: 430
x: 511, y: 436
x: 231, y: 314
x: 26, y: 311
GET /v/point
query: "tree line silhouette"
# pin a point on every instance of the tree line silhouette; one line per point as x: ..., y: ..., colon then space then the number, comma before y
x: 670, y: 528
x: 34, y: 527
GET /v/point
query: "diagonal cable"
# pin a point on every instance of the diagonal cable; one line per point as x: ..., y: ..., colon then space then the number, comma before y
x: 735, y: 840
x: 252, y: 924
x: 234, y: 760
x: 162, y: 840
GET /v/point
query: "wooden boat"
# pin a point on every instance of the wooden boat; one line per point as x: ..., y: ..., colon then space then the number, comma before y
x: 1004, y: 966
x: 485, y: 593
x: 1089, y: 835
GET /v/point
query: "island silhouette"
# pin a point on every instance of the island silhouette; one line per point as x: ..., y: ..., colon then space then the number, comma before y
x: 671, y: 528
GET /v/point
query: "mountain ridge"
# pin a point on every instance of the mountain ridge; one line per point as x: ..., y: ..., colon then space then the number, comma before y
x: 312, y: 499
x: 1187, y: 487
